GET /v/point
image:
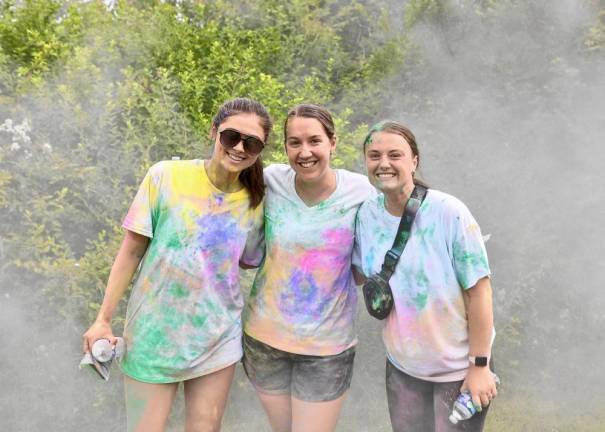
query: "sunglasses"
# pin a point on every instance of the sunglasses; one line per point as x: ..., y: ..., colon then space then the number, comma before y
x: 229, y: 138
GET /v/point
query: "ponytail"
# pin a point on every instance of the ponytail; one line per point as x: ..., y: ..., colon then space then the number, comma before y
x: 252, y: 179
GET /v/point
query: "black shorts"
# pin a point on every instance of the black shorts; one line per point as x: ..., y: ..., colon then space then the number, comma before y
x: 306, y: 377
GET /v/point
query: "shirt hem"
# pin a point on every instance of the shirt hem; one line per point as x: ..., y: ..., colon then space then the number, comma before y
x: 450, y: 377
x: 138, y: 230
x: 181, y: 379
x: 293, y: 349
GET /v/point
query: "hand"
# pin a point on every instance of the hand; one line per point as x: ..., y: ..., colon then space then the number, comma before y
x: 98, y: 330
x: 481, y: 384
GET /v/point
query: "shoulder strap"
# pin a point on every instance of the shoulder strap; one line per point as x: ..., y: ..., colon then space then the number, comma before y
x: 403, y: 232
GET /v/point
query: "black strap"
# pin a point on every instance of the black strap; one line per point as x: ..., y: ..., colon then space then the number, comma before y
x: 403, y: 232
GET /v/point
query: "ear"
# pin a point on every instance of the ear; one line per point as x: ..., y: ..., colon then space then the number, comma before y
x: 333, y: 143
x: 213, y: 132
x: 415, y: 162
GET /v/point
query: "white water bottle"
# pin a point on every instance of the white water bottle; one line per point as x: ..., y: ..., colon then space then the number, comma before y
x: 104, y: 351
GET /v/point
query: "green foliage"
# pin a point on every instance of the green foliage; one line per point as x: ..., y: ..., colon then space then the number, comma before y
x: 91, y: 98
x: 34, y: 35
x: 595, y: 39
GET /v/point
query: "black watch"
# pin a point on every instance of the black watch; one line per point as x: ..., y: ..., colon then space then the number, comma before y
x: 478, y: 361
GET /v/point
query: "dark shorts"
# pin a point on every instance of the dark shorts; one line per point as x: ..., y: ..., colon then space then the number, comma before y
x: 418, y: 405
x: 306, y: 377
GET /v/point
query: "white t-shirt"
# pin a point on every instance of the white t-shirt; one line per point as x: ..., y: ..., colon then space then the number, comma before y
x: 426, y: 334
x: 184, y: 312
x: 303, y: 299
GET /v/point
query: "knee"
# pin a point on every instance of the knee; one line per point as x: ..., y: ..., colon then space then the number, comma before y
x: 204, y: 420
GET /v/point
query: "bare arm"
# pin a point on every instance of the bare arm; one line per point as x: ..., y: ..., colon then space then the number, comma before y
x: 358, y: 276
x: 479, y: 380
x: 129, y: 256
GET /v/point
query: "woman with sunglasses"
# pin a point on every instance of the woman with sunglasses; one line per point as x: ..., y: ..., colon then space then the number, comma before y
x: 299, y: 341
x: 439, y: 333
x: 188, y: 227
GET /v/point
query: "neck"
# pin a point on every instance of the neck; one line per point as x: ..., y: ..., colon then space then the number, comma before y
x: 395, y: 201
x: 224, y: 180
x: 314, y: 192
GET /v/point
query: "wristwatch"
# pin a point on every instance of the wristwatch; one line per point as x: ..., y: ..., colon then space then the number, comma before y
x: 478, y: 360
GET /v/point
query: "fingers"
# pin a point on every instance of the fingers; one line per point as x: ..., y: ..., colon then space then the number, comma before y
x: 95, y: 332
x: 477, y: 401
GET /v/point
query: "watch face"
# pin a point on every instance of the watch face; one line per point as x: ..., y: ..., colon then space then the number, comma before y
x: 480, y: 361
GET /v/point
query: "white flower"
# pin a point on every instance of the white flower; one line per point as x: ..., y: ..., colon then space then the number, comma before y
x: 7, y: 125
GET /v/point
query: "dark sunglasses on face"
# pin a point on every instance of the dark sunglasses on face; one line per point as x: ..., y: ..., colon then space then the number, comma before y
x: 229, y: 138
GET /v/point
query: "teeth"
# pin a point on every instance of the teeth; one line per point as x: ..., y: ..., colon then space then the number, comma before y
x: 384, y: 175
x: 306, y: 164
x: 235, y: 158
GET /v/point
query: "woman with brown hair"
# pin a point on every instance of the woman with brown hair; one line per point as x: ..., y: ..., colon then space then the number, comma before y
x: 299, y: 341
x: 439, y: 332
x: 188, y: 227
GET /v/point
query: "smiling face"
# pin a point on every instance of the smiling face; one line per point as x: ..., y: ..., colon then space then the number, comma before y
x: 390, y: 163
x: 308, y: 148
x: 236, y: 159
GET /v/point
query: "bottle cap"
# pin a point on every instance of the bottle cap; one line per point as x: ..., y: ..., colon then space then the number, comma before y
x: 102, y: 350
x: 453, y: 418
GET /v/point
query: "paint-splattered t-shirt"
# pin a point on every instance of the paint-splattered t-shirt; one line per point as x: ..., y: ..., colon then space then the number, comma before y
x: 184, y: 312
x: 303, y: 299
x: 426, y: 334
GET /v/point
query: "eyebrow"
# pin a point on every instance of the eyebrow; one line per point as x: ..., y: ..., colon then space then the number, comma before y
x: 297, y: 138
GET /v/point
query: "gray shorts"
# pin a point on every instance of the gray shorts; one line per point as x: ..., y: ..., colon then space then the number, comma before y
x: 306, y: 377
x: 418, y: 405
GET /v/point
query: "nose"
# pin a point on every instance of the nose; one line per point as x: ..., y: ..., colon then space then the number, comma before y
x: 240, y: 146
x: 305, y: 152
x: 383, y: 162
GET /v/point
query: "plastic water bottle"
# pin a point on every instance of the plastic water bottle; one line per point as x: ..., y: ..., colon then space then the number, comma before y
x: 104, y: 351
x: 463, y: 408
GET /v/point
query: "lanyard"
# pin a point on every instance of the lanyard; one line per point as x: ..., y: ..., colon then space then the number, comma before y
x: 403, y: 232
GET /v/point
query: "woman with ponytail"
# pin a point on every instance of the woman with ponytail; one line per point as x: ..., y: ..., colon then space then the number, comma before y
x: 190, y: 225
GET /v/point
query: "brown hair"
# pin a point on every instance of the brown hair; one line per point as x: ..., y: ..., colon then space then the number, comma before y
x: 396, y: 128
x: 316, y: 112
x: 252, y: 177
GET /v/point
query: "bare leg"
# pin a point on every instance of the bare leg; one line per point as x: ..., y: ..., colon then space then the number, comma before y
x: 316, y: 416
x: 205, y: 400
x: 278, y: 409
x: 148, y: 405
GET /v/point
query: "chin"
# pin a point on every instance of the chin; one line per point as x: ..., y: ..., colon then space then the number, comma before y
x: 389, y: 188
x: 235, y: 168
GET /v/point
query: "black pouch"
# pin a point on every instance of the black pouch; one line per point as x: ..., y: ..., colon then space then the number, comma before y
x: 377, y: 293
x: 377, y: 296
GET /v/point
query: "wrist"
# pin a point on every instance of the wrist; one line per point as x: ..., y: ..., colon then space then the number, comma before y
x: 103, y: 319
x: 479, y: 361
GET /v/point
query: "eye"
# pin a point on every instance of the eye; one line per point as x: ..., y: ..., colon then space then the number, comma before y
x: 315, y: 141
x: 395, y: 155
x: 373, y: 155
x: 293, y: 143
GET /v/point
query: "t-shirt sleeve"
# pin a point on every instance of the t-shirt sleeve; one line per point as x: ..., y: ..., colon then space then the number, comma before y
x: 140, y: 216
x: 466, y: 247
x: 254, y: 250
